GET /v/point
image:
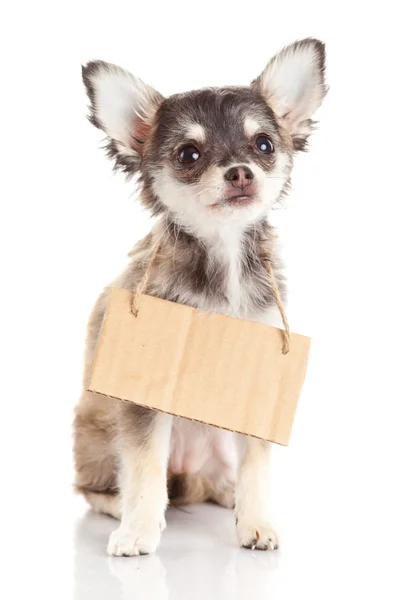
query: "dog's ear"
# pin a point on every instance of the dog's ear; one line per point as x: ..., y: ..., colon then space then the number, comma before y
x: 293, y: 85
x: 124, y: 108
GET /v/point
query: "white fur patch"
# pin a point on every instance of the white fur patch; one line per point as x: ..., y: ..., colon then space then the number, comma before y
x: 251, y: 126
x: 195, y: 131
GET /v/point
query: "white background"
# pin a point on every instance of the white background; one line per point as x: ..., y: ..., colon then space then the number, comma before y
x: 66, y: 226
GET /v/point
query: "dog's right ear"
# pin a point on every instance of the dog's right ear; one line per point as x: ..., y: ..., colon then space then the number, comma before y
x: 124, y: 108
x: 293, y: 84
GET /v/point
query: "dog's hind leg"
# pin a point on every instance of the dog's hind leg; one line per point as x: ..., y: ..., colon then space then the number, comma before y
x: 100, y: 502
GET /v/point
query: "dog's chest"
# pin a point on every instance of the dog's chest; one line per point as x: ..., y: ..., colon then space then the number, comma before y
x: 235, y: 289
x: 241, y: 286
x: 224, y: 274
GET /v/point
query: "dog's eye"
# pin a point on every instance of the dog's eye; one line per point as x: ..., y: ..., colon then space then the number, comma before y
x: 189, y: 154
x: 264, y: 144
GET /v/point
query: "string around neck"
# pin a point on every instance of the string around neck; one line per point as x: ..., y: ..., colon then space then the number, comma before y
x: 141, y: 288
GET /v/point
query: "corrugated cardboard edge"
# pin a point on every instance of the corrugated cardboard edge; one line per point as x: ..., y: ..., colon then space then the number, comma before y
x: 101, y: 336
x: 279, y: 409
x: 181, y: 417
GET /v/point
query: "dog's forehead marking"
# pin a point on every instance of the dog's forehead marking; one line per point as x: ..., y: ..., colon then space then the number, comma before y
x: 196, y: 131
x: 251, y: 126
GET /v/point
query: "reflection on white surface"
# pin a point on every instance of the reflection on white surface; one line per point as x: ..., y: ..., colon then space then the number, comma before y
x: 198, y: 558
x: 323, y: 554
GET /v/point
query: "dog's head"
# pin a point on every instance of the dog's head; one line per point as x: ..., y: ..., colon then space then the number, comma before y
x: 214, y: 155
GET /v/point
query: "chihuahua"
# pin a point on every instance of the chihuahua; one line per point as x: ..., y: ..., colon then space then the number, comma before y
x: 211, y: 164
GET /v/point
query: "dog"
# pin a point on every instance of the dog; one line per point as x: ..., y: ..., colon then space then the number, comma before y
x: 211, y: 164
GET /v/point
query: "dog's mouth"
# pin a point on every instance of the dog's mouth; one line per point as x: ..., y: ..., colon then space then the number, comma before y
x: 232, y: 201
x: 239, y: 200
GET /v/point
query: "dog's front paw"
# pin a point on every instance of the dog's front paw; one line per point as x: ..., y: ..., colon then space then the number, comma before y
x: 256, y: 535
x: 126, y: 541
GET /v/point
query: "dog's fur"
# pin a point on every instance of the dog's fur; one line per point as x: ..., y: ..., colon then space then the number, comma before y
x: 214, y: 236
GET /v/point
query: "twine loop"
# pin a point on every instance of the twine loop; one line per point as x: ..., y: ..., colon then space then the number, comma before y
x: 141, y: 288
x: 281, y: 308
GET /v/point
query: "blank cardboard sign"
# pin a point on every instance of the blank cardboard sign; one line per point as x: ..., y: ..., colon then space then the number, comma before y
x: 207, y: 367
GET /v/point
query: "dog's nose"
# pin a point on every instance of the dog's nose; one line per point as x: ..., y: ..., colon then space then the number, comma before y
x: 239, y: 177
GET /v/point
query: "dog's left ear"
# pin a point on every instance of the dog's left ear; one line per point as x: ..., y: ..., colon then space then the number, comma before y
x: 122, y: 106
x: 293, y: 85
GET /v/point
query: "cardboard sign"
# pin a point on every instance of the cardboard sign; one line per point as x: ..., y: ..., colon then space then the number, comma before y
x: 208, y: 367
